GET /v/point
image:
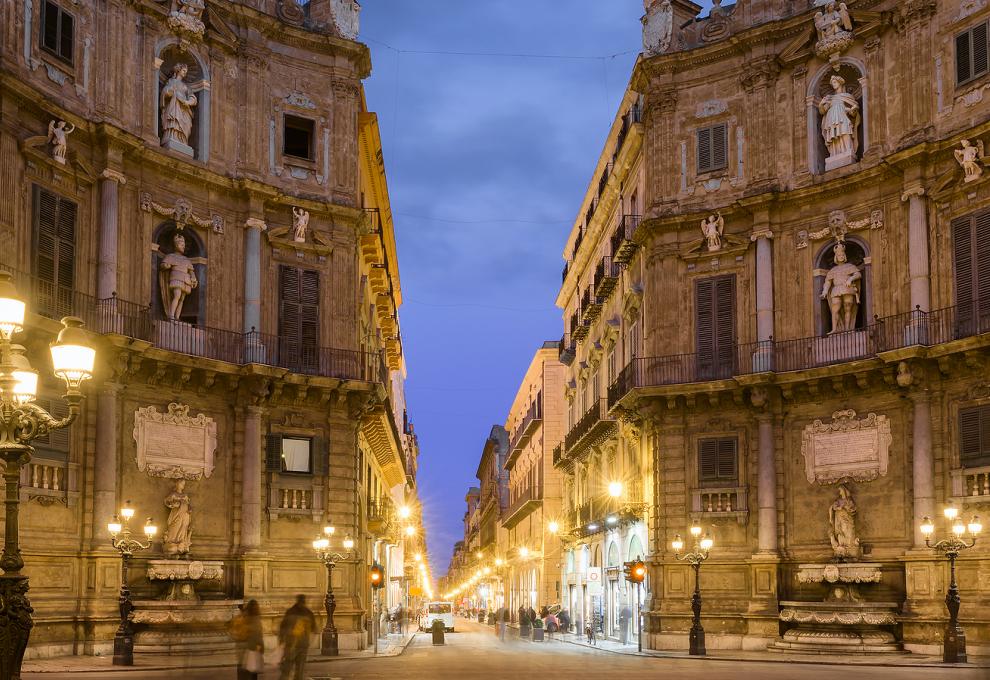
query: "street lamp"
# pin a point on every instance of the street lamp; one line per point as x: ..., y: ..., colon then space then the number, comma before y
x: 120, y: 538
x: 954, y: 640
x: 615, y: 489
x: 21, y: 422
x: 328, y: 640
x: 702, y: 544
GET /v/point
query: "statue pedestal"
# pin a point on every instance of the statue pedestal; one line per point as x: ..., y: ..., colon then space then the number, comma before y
x: 839, y: 347
x: 180, y: 622
x: 844, y: 623
x: 179, y: 336
x: 833, y: 162
x: 176, y: 145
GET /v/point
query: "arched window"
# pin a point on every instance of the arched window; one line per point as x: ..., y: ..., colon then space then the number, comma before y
x: 635, y: 548
x: 856, y: 253
x: 613, y: 555
x: 182, y: 101
x: 178, y: 294
x: 853, y: 75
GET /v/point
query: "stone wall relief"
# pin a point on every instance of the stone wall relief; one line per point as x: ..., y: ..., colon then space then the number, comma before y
x: 174, y: 444
x: 846, y: 449
x: 714, y: 241
x: 971, y: 159
x: 835, y: 30
x: 58, y: 138
x: 185, y: 17
x: 658, y: 23
x: 182, y: 214
x: 299, y: 239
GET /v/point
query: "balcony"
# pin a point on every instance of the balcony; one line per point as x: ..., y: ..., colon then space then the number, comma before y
x: 883, y: 335
x: 592, y: 425
x: 566, y: 350
x: 119, y: 317
x: 606, y: 278
x: 529, y: 424
x: 971, y: 485
x: 372, y: 249
x: 380, y: 516
x: 623, y: 245
x: 719, y: 503
x: 591, y: 306
x: 602, y: 512
x: 524, y: 503
x: 558, y: 454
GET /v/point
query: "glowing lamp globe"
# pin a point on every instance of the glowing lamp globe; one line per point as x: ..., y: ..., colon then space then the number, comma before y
x: 615, y: 489
x: 927, y: 526
x: 150, y: 529
x: 72, y: 357
x: 127, y: 511
x: 12, y: 307
x: 677, y: 543
x: 706, y: 543
x: 114, y: 526
x: 348, y: 543
x: 25, y: 378
x: 975, y: 526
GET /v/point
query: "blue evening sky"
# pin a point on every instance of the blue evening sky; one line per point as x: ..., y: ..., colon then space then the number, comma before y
x: 488, y: 158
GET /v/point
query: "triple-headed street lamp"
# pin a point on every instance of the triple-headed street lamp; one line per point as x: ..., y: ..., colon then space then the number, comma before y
x: 21, y: 422
x: 120, y: 538
x: 328, y: 640
x: 702, y: 544
x: 954, y: 640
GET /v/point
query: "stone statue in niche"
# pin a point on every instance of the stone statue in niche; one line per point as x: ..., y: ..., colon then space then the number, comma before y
x: 177, y: 278
x: 300, y: 223
x: 842, y: 291
x: 840, y: 123
x: 842, y: 526
x: 657, y: 26
x: 970, y: 159
x: 713, y: 227
x: 58, y: 137
x: 178, y: 534
x: 177, y: 104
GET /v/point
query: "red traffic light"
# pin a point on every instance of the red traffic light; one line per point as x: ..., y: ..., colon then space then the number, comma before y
x: 377, y: 576
x: 635, y: 572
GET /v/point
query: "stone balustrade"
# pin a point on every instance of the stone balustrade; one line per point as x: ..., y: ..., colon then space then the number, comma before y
x: 972, y: 484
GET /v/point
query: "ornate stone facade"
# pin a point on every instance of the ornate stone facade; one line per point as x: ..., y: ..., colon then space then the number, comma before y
x: 268, y: 374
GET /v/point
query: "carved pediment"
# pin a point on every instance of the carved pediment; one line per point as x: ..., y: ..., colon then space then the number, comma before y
x: 317, y: 243
x: 36, y: 149
x: 698, y: 249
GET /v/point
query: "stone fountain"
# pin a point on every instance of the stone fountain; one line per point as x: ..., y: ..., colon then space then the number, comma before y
x: 845, y: 621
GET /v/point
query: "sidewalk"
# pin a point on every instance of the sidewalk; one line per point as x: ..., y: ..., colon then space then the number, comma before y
x: 393, y: 646
x: 902, y: 660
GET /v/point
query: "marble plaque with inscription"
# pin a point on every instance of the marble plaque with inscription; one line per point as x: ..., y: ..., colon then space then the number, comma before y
x: 848, y: 448
x: 174, y: 444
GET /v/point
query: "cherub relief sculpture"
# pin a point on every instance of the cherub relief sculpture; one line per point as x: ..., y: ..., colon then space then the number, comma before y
x: 58, y: 137
x: 300, y: 223
x: 713, y: 227
x: 970, y: 158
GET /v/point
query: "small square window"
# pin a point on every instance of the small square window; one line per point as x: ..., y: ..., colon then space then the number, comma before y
x: 712, y: 151
x: 718, y: 462
x: 57, y: 31
x: 296, y: 455
x: 297, y: 140
x: 972, y: 54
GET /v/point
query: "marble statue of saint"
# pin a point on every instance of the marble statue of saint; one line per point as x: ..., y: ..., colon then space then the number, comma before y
x: 842, y: 525
x: 58, y: 137
x: 300, y: 222
x: 841, y: 289
x: 177, y: 103
x: 177, y: 278
x: 178, y: 534
x: 970, y: 158
x: 712, y: 227
x: 833, y: 21
x: 840, y: 121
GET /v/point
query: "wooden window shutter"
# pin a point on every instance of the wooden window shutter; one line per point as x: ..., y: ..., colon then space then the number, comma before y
x: 273, y: 453
x: 974, y: 436
x: 962, y: 252
x: 319, y: 455
x: 56, y: 441
x: 55, y: 252
x: 309, y: 326
x: 979, y: 52
x: 725, y: 324
x: 727, y: 457
x: 704, y: 315
x: 720, y: 142
x: 708, y: 460
x: 704, y: 150
x: 964, y: 57
x: 981, y: 241
x: 289, y: 316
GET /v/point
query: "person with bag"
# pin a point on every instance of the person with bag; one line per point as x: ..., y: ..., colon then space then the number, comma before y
x: 297, y: 626
x: 245, y: 628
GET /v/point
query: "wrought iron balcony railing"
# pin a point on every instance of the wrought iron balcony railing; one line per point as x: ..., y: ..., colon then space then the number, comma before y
x: 623, y: 245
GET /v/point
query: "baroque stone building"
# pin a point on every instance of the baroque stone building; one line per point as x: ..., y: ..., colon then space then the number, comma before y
x: 204, y: 186
x: 799, y: 316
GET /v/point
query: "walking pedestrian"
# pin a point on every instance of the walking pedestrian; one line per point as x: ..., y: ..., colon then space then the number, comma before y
x: 625, y: 616
x: 297, y: 626
x: 503, y: 620
x: 552, y: 624
x: 565, y: 621
x: 589, y: 630
x: 532, y: 614
x: 245, y: 628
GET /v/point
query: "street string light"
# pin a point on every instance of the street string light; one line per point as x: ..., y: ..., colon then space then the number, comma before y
x: 702, y: 545
x: 328, y: 639
x: 954, y: 639
x: 121, y: 539
x: 22, y: 422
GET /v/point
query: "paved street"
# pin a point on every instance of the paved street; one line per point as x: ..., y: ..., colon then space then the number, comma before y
x: 474, y: 652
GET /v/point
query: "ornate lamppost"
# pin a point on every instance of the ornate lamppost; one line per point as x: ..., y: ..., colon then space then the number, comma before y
x: 21, y: 422
x: 954, y: 640
x: 702, y: 544
x: 120, y: 538
x: 328, y: 640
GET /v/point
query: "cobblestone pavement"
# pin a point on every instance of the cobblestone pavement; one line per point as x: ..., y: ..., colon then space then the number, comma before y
x: 475, y: 652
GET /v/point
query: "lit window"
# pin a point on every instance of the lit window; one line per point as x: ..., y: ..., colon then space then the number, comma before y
x: 296, y: 455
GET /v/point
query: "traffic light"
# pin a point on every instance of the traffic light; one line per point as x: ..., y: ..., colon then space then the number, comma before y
x: 377, y: 576
x: 635, y: 571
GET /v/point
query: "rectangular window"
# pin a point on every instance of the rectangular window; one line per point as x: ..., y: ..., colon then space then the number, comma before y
x: 974, y: 436
x: 633, y: 341
x: 299, y: 318
x: 297, y: 138
x: 611, y: 366
x: 296, y: 455
x: 54, y: 252
x: 971, y: 260
x: 718, y: 462
x: 971, y: 54
x: 57, y: 31
x: 55, y: 444
x: 713, y: 143
x: 715, y: 324
x: 300, y: 455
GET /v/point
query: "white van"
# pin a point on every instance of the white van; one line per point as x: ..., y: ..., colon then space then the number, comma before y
x: 438, y: 610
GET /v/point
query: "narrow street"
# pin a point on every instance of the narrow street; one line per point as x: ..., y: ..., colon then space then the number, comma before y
x: 475, y: 652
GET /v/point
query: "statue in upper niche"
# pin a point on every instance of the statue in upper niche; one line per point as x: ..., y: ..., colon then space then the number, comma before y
x: 840, y: 123
x: 658, y: 24
x: 177, y: 103
x: 177, y: 278
x: 841, y: 290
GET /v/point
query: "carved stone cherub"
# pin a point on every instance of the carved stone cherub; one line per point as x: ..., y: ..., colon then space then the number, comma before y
x: 713, y: 227
x: 58, y: 137
x: 300, y: 223
x: 970, y: 158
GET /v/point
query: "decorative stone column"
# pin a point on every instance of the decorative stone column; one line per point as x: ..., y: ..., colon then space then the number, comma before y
x: 254, y: 350
x: 922, y: 464
x: 766, y: 487
x: 251, y: 480
x: 763, y: 357
x: 106, y: 284
x: 105, y: 463
x: 918, y: 246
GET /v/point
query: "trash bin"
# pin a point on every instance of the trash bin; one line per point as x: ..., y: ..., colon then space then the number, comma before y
x: 438, y: 629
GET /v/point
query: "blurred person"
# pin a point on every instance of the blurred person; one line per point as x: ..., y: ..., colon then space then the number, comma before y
x: 297, y: 626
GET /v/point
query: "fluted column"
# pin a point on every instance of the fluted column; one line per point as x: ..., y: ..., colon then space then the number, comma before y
x: 918, y: 247
x: 106, y: 284
x: 252, y: 273
x: 922, y: 465
x: 105, y: 463
x: 251, y: 480
x: 767, y: 486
